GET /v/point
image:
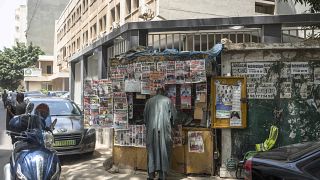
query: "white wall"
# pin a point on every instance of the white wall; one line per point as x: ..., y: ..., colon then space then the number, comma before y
x: 183, y: 9
x: 77, y: 84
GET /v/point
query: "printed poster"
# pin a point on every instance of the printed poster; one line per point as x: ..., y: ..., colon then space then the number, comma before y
x: 132, y: 85
x: 300, y: 68
x: 120, y: 119
x: 195, y: 142
x: 198, y: 71
x: 104, y: 87
x: 223, y: 100
x: 235, y: 114
x: 133, y: 136
x: 180, y: 72
x: 171, y: 73
x: 185, y: 96
x: 201, y: 92
x: 316, y: 75
x: 145, y: 88
x: 177, y: 136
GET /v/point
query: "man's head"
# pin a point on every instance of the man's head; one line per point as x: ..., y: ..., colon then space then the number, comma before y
x: 42, y: 110
x: 161, y: 91
x: 20, y: 97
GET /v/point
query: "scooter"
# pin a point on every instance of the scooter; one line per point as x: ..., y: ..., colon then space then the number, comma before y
x: 33, y: 157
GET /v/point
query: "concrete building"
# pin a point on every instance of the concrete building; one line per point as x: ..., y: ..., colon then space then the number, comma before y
x: 47, y: 76
x: 40, y: 26
x: 20, y: 24
x: 41, y: 16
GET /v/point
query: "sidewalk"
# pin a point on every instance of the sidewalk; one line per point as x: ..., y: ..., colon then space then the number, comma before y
x: 92, y: 168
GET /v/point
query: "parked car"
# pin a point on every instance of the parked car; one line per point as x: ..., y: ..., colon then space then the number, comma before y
x: 70, y: 135
x: 296, y: 161
x: 66, y: 95
x: 56, y: 93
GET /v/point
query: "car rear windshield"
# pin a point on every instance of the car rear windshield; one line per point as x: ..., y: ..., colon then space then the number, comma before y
x: 290, y: 152
x: 61, y: 108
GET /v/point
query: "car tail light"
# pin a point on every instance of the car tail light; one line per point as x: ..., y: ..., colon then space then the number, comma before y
x: 248, y: 169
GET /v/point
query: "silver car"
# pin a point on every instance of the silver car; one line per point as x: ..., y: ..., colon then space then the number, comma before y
x: 69, y: 134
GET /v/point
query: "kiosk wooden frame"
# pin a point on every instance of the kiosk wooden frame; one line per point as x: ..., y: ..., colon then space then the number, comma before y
x: 225, y: 122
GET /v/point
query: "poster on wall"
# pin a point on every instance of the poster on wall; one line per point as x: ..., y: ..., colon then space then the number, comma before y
x: 223, y: 100
x: 170, y: 73
x: 316, y: 75
x: 134, y: 135
x: 198, y: 71
x: 195, y: 142
x: 180, y: 72
x: 132, y: 85
x: 201, y: 92
x: 185, y: 96
x: 177, y: 136
x: 162, y: 66
x: 145, y: 88
x: 120, y: 119
x: 235, y: 114
x: 104, y: 87
x: 172, y: 93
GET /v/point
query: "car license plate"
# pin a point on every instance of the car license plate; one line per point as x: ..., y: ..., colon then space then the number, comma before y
x: 65, y: 143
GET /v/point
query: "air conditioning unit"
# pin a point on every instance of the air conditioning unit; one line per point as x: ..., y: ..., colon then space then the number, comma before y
x: 115, y: 25
x: 145, y: 12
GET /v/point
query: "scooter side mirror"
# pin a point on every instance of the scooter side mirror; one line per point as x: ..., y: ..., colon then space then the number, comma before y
x: 29, y: 108
x: 53, y: 124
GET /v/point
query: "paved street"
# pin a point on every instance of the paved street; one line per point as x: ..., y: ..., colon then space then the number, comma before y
x: 5, y: 141
x: 83, y: 167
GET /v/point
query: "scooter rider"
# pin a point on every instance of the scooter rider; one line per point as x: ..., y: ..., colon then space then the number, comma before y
x: 40, y: 120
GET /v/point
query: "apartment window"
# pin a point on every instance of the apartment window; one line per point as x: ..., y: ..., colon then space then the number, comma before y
x: 17, y: 17
x: 118, y: 12
x: 264, y: 8
x: 17, y: 28
x: 93, y: 30
x: 49, y: 69
x: 128, y: 7
x: 78, y: 43
x: 113, y: 15
x: 135, y: 4
x: 104, y: 21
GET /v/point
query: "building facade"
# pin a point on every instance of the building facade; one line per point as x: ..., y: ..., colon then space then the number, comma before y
x: 86, y: 21
x: 20, y: 24
x: 39, y: 20
x: 41, y: 16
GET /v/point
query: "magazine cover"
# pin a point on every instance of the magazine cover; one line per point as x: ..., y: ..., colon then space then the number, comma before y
x: 198, y: 71
x: 195, y: 142
x: 201, y: 92
x: 185, y: 96
x: 180, y: 72
x: 120, y: 118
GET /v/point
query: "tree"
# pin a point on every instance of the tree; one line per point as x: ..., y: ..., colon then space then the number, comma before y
x: 314, y: 4
x: 13, y: 61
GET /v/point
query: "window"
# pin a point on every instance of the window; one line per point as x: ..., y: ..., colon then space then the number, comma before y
x: 135, y: 4
x: 118, y: 12
x: 264, y: 8
x: 128, y: 7
x: 49, y: 69
x: 113, y: 16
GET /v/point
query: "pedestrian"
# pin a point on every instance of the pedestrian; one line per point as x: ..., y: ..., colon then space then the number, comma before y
x: 20, y: 107
x: 13, y: 98
x: 159, y: 117
x: 4, y: 98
